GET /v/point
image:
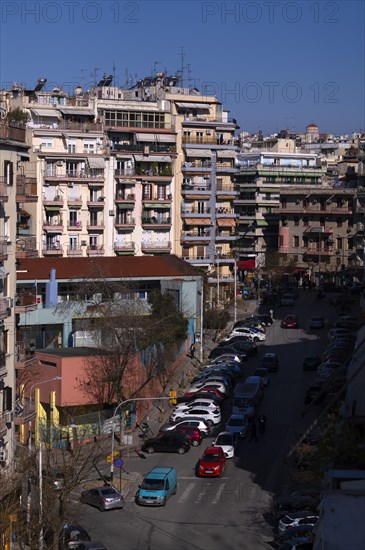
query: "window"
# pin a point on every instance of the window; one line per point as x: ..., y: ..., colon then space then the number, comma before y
x: 339, y: 222
x: 73, y: 218
x: 339, y: 243
x: 322, y: 222
x: 89, y: 146
x: 71, y: 145
x: 305, y: 220
x: 305, y: 203
x: 147, y: 192
x: 284, y: 221
x: 161, y: 192
x: 296, y: 241
x: 47, y: 143
x: 281, y: 241
x: 296, y: 221
x: 74, y: 242
x: 283, y: 203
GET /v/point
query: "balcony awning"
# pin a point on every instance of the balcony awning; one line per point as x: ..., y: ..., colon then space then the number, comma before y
x: 198, y: 221
x: 52, y: 208
x: 77, y: 112
x: 150, y: 158
x: 156, y: 138
x: 3, y: 273
x: 226, y: 222
x: 226, y: 154
x: 201, y: 153
x: 186, y: 105
x: 46, y: 113
x: 96, y: 162
x: 24, y: 213
x: 247, y: 264
x: 261, y: 223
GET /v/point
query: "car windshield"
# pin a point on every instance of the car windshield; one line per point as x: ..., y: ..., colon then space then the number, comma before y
x: 211, y: 458
x: 225, y: 439
x: 108, y: 491
x: 235, y: 422
x: 152, y: 484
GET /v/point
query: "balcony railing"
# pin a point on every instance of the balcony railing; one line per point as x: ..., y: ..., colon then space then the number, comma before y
x: 92, y: 224
x: 12, y: 132
x: 26, y: 247
x: 3, y: 251
x: 24, y: 353
x: 95, y: 249
x: 186, y: 187
x: 74, y: 200
x: 124, y: 246
x: 195, y: 211
x: 128, y: 197
x: 52, y: 201
x: 140, y: 171
x: 74, y: 175
x: 153, y: 147
x: 125, y: 221
x: 195, y: 234
x: 319, y: 251
x: 3, y: 191
x: 157, y: 198
x: 53, y: 224
x: 155, y: 245
x: 26, y: 187
x: 4, y: 308
x: 53, y: 249
x: 154, y: 220
x: 69, y: 125
x: 74, y: 225
x: 74, y: 251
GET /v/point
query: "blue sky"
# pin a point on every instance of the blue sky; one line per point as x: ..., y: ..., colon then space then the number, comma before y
x: 274, y: 64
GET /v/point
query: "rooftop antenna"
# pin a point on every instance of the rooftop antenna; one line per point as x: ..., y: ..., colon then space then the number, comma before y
x: 189, y: 75
x: 94, y: 74
x: 155, y: 67
x: 126, y: 78
x: 114, y: 73
x: 182, y: 55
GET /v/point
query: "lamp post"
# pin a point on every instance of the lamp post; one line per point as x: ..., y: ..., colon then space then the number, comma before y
x: 201, y: 323
x: 122, y: 426
x: 235, y: 290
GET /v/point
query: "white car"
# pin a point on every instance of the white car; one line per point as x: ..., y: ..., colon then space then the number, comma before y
x: 205, y: 403
x: 294, y: 519
x: 225, y: 440
x: 211, y: 417
x: 204, y: 383
x: 253, y: 335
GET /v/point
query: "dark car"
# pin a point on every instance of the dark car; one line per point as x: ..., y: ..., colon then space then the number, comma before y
x: 311, y: 363
x: 290, y: 321
x: 224, y: 350
x: 73, y: 535
x: 104, y: 498
x: 92, y: 545
x: 167, y: 442
x: 248, y: 347
x: 194, y: 434
x: 270, y: 361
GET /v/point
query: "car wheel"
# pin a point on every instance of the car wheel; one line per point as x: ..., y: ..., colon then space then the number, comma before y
x: 164, y: 502
x: 256, y: 339
x: 101, y: 508
x: 181, y: 450
x: 210, y: 423
x: 175, y: 490
x: 150, y: 450
x: 195, y: 443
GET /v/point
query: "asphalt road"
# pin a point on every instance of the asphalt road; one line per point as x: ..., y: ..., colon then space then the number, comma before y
x: 226, y: 512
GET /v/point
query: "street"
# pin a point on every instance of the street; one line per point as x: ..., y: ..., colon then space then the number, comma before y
x: 227, y: 512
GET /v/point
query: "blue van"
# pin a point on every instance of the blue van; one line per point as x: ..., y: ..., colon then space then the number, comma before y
x: 158, y: 485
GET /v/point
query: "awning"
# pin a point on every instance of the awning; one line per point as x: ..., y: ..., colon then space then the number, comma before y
x: 226, y: 222
x: 201, y: 153
x: 261, y: 223
x: 24, y: 213
x: 185, y: 105
x: 96, y: 162
x: 52, y: 208
x: 3, y: 272
x: 156, y: 138
x: 198, y: 221
x: 77, y: 112
x: 46, y: 113
x: 247, y: 264
x: 150, y: 158
x: 226, y: 154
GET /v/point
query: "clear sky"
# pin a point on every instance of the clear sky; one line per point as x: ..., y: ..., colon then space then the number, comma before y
x: 274, y: 64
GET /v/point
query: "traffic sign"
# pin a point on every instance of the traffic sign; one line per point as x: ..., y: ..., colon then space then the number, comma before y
x: 108, y: 458
x: 118, y: 462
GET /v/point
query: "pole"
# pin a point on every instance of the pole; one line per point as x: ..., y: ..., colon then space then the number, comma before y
x: 235, y: 290
x: 201, y: 323
x: 113, y: 422
x: 40, y: 498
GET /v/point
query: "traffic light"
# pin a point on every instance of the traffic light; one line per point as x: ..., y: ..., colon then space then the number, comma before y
x: 173, y: 399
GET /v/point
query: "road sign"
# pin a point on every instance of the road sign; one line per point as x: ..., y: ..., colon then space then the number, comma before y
x: 108, y: 458
x: 118, y: 462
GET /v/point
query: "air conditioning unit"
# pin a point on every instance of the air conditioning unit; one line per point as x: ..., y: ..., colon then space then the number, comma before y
x: 3, y: 456
x: 9, y: 302
x: 111, y: 213
x: 8, y: 417
x: 70, y: 184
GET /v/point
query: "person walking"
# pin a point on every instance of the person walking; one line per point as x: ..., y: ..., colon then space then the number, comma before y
x: 253, y: 431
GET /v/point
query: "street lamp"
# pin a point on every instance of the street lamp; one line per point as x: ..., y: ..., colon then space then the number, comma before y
x: 122, y: 426
x: 201, y: 293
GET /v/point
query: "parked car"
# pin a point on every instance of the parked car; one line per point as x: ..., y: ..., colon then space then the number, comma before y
x: 263, y: 373
x: 255, y: 336
x: 287, y: 299
x: 200, y: 402
x: 270, y: 361
x: 91, y: 545
x: 237, y: 425
x: 229, y: 359
x: 194, y: 434
x: 55, y: 477
x: 251, y: 323
x: 212, y: 463
x: 104, y: 498
x: 248, y: 347
x: 312, y: 394
x: 212, y: 417
x: 295, y: 532
x: 204, y: 389
x: 157, y: 487
x: 226, y: 441
x: 193, y: 422
x: 311, y: 363
x: 294, y: 519
x: 297, y: 543
x: 168, y: 442
x: 72, y: 536
x: 338, y: 332
x: 265, y: 318
x: 290, y: 321
x: 317, y: 322
x: 219, y: 351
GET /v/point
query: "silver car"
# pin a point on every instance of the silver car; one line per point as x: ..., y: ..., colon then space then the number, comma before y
x: 104, y: 498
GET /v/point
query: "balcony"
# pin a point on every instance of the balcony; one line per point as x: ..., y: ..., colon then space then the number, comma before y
x: 53, y: 225
x: 74, y: 225
x: 95, y: 225
x: 124, y: 248
x: 224, y: 236
x: 146, y: 173
x: 194, y: 211
x: 222, y: 211
x: 83, y: 176
x: 3, y: 424
x: 95, y: 250
x: 155, y: 221
x: 12, y: 132
x: 24, y: 355
x: 156, y: 246
x: 140, y: 147
x: 315, y: 230
x: 125, y: 198
x: 157, y: 202
x: 196, y: 191
x: 3, y: 251
x: 226, y: 191
x: 74, y: 202
x: 198, y: 260
x: 26, y: 189
x: 74, y: 251
x: 3, y: 190
x: 5, y: 311
x: 53, y: 201
x: 124, y: 223
x: 52, y: 250
x: 26, y: 247
x: 25, y: 302
x: 96, y: 202
x: 318, y: 252
x: 195, y: 236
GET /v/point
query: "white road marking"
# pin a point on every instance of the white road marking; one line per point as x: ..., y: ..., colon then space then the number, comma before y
x: 219, y: 493
x: 185, y: 495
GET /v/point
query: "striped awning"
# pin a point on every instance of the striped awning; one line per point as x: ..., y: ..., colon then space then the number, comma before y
x: 226, y: 154
x: 200, y: 153
x: 186, y: 105
x: 198, y: 221
x: 152, y: 158
x: 156, y: 138
x: 95, y: 162
x: 261, y: 223
x: 226, y: 222
x: 46, y: 113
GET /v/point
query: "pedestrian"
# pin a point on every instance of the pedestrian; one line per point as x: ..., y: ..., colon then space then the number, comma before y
x: 272, y: 314
x: 253, y: 431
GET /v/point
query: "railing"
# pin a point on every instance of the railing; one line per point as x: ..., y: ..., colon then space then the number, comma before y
x: 24, y: 351
x: 138, y: 171
x: 196, y: 187
x: 125, y: 221
x: 156, y: 221
x: 26, y: 299
x: 276, y: 168
x: 95, y: 249
x: 222, y: 210
x: 3, y: 248
x: 26, y: 246
x: 52, y: 248
x: 74, y: 251
x: 58, y: 222
x: 195, y: 234
x: 74, y: 200
x: 195, y: 211
x: 2, y: 358
x: 153, y: 147
x: 209, y: 141
x: 207, y: 118
x: 75, y: 174
x: 3, y: 308
x: 26, y: 186
x: 146, y: 198
x: 53, y: 200
x: 124, y: 246
x: 68, y: 125
x: 155, y: 245
x: 3, y: 190
x: 125, y: 197
x: 11, y: 131
x: 95, y: 223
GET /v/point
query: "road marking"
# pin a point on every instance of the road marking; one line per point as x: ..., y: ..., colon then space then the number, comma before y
x: 196, y: 478
x: 185, y: 495
x: 219, y: 493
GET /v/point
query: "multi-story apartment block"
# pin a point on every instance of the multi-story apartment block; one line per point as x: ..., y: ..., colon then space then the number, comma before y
x: 13, y: 153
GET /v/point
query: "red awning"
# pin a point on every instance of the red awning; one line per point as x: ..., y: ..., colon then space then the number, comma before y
x: 247, y: 264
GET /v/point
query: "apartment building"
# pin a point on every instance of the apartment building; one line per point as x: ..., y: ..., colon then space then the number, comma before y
x: 13, y: 153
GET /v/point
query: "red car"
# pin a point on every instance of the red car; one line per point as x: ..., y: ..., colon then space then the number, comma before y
x: 212, y: 463
x: 194, y: 434
x: 290, y: 321
x: 205, y: 390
